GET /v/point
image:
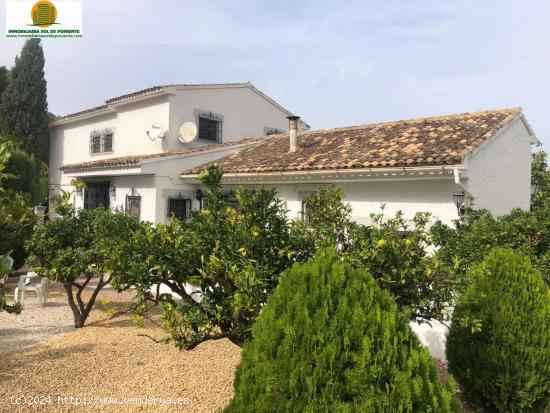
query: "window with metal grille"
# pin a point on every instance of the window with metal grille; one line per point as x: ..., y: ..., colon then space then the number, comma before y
x: 179, y: 208
x: 95, y: 142
x: 107, y: 141
x: 133, y: 205
x: 303, y: 212
x: 210, y: 127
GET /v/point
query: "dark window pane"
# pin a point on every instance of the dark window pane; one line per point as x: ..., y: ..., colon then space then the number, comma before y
x: 108, y: 142
x: 95, y: 143
x: 96, y: 195
x: 273, y: 131
x: 179, y: 208
x: 133, y: 206
x: 210, y: 128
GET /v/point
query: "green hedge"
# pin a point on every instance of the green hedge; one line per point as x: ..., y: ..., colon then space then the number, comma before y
x: 26, y: 170
x: 499, y: 342
x: 330, y: 340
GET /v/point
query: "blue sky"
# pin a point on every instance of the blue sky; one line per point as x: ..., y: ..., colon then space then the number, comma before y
x: 335, y: 63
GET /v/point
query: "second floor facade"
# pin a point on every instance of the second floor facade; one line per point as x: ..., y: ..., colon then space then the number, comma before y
x: 148, y: 122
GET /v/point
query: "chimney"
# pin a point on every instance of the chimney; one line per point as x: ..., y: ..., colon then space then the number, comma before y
x: 293, y: 132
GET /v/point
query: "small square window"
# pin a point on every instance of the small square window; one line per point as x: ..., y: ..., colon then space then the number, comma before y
x: 179, y: 208
x: 210, y: 127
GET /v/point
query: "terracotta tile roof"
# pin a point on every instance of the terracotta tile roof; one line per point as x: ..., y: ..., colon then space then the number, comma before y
x: 441, y: 140
x: 134, y: 160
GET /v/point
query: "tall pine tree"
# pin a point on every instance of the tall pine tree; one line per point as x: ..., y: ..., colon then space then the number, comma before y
x: 24, y: 108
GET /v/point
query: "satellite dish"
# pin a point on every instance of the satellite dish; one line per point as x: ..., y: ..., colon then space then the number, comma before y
x: 187, y: 132
x: 156, y: 132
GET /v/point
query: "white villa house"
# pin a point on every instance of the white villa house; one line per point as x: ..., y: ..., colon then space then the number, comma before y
x: 134, y: 154
x: 142, y: 153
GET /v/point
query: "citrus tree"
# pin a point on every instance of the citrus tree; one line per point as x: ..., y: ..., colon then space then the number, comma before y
x: 467, y: 243
x: 75, y: 249
x: 394, y: 249
x: 221, y: 264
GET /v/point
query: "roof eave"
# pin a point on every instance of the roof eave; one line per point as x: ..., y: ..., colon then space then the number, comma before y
x: 131, y: 169
x: 344, y: 173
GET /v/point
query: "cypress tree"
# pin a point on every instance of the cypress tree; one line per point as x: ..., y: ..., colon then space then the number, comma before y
x: 4, y: 73
x: 499, y: 342
x: 24, y: 108
x: 330, y: 340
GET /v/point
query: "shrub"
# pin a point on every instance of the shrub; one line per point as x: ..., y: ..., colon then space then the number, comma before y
x: 26, y: 169
x: 330, y: 340
x: 17, y: 221
x: 498, y: 346
x: 394, y: 250
x: 473, y: 237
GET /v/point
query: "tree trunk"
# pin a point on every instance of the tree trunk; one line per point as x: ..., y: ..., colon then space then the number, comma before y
x: 78, y: 322
x: 80, y: 310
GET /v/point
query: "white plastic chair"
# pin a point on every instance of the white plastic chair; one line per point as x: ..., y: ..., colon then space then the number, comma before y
x: 41, y: 289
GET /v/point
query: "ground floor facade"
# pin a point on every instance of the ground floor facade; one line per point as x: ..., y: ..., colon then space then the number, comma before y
x: 155, y: 198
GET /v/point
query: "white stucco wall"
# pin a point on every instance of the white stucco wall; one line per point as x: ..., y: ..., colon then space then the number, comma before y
x: 70, y: 143
x: 410, y: 196
x: 499, y: 173
x: 245, y: 113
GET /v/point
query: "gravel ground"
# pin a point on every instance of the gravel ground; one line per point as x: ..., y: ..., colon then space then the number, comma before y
x: 41, y: 354
x: 35, y: 324
x: 108, y: 359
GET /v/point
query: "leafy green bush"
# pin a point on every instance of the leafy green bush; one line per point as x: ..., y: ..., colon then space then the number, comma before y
x: 329, y: 218
x: 473, y: 237
x: 499, y: 342
x: 17, y: 221
x: 330, y: 340
x: 394, y: 250
x: 26, y: 169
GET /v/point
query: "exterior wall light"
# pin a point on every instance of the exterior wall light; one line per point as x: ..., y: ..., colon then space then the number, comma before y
x: 79, y: 191
x: 199, y: 195
x: 112, y: 191
x: 458, y: 198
